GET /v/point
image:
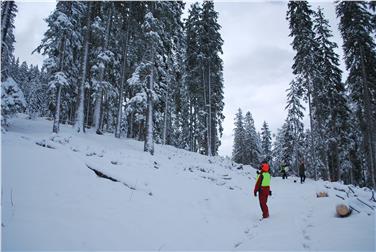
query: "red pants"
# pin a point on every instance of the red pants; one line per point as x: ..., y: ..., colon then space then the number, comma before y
x: 263, y: 198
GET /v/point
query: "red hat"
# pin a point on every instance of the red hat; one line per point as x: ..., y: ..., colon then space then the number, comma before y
x: 265, y: 167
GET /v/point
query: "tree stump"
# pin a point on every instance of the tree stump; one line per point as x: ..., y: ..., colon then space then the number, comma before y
x: 343, y: 210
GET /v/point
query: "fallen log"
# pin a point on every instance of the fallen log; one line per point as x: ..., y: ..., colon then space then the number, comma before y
x: 322, y: 194
x: 343, y: 210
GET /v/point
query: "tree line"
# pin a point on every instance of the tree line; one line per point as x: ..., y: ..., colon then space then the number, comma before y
x: 134, y: 69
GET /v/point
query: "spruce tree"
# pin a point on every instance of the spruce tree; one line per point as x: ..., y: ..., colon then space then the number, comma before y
x: 359, y: 47
x: 331, y: 110
x: 266, y: 142
x: 193, y: 74
x: 8, y: 14
x: 103, y: 56
x: 150, y: 71
x: 299, y: 16
x: 238, y: 151
x: 295, y: 128
x: 252, y: 145
x: 59, y: 43
x: 211, y: 47
x: 80, y: 114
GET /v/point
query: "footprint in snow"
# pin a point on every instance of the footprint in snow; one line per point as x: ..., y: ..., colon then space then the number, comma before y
x: 115, y: 162
x: 237, y: 244
x: 305, y: 246
x: 249, y: 234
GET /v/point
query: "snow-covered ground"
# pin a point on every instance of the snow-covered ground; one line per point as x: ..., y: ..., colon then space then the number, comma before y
x: 174, y: 200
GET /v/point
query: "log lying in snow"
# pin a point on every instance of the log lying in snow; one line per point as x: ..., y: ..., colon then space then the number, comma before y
x: 343, y: 210
x: 322, y: 194
x: 102, y: 175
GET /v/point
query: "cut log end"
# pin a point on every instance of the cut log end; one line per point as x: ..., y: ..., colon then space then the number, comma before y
x: 343, y: 210
x: 322, y: 194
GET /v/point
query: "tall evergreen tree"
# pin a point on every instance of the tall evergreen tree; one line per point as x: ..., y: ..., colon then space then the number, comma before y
x: 8, y: 14
x: 150, y: 72
x: 238, y: 151
x: 299, y: 16
x: 266, y: 141
x: 211, y: 47
x: 359, y: 47
x: 252, y: 147
x: 331, y: 110
x: 204, y: 78
x: 280, y: 151
x: 193, y: 75
x: 295, y: 128
x: 80, y: 119
x: 103, y: 56
x: 59, y: 43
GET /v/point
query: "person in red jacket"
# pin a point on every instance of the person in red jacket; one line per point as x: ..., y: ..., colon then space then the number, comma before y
x: 262, y: 187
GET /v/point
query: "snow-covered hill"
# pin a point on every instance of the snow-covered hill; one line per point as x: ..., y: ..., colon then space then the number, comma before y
x: 52, y: 199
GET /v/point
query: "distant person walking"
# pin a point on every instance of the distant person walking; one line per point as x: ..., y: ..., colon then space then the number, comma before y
x: 284, y: 170
x: 302, y: 172
x: 262, y: 187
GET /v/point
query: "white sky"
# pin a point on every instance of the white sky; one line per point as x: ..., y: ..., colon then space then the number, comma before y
x: 257, y: 56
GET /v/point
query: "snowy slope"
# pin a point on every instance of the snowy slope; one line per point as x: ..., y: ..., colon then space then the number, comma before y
x: 174, y: 200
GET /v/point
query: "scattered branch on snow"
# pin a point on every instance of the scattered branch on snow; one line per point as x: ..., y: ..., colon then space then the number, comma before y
x: 340, y: 197
x: 115, y: 162
x: 354, y: 209
x: 338, y: 189
x: 11, y: 197
x: 43, y: 143
x: 102, y: 175
x: 373, y: 196
x: 365, y: 204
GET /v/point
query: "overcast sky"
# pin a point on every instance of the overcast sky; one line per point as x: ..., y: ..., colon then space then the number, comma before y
x: 257, y: 56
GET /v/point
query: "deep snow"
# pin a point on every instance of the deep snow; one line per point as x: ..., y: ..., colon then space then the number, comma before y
x: 174, y: 200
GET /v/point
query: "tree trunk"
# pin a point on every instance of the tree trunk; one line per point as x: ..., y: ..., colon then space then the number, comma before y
x: 131, y: 125
x: 80, y: 111
x: 164, y: 133
x: 210, y: 153
x: 122, y: 81
x: 190, y: 139
x: 99, y: 96
x: 312, y: 132
x: 206, y: 115
x: 149, y: 144
x: 87, y: 108
x: 56, y: 125
x: 369, y: 123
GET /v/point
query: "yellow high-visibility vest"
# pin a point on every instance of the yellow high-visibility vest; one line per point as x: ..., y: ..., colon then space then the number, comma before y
x: 265, y: 179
